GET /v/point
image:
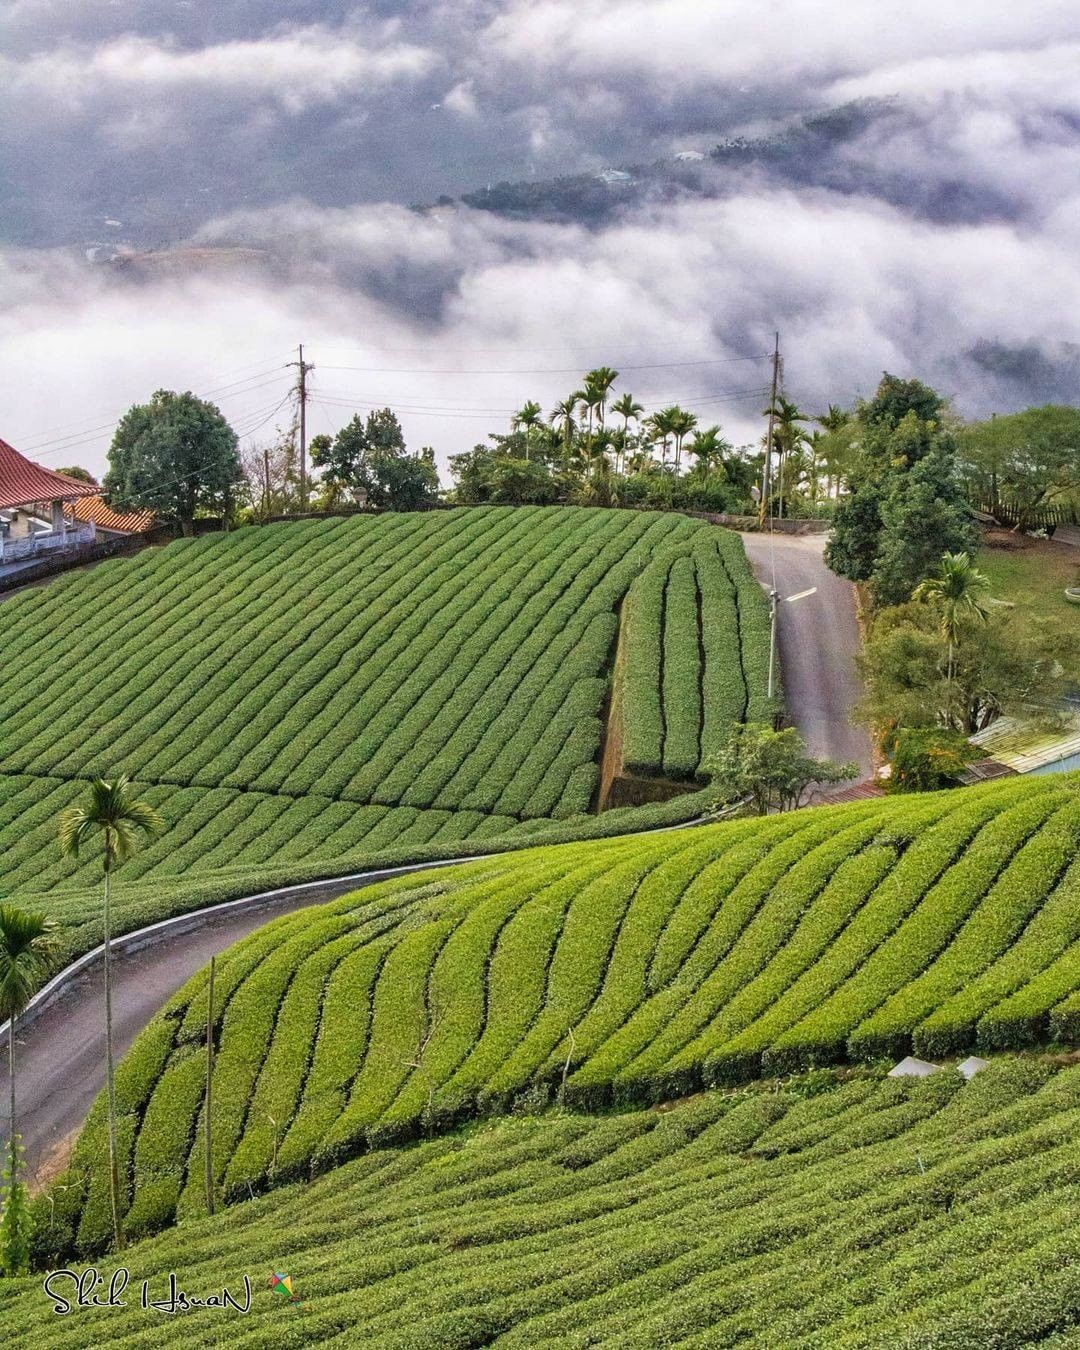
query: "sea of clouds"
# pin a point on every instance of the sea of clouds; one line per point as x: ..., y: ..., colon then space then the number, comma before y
x: 940, y: 239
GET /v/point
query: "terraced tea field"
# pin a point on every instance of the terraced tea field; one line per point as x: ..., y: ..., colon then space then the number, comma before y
x: 621, y: 972
x: 307, y: 699
x: 872, y: 1214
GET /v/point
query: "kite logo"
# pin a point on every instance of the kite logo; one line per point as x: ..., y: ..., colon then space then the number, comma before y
x: 282, y: 1284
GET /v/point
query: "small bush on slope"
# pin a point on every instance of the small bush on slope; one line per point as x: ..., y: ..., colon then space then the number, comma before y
x: 872, y: 1215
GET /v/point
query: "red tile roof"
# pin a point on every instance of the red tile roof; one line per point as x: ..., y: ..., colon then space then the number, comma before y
x: 23, y: 482
x: 97, y: 510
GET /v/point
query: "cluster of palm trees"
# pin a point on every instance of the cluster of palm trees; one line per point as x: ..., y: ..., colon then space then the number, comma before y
x: 28, y: 949
x: 577, y: 432
x: 591, y: 433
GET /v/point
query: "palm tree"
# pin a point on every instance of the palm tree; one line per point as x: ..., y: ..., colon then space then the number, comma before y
x: 835, y: 419
x: 683, y: 423
x: 707, y: 447
x: 627, y: 407
x: 787, y: 434
x: 528, y: 417
x: 564, y: 420
x: 957, y: 588
x: 598, y: 384
x: 27, y: 949
x: 660, y: 426
x: 113, y: 811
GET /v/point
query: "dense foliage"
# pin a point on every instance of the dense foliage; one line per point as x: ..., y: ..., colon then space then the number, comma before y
x: 905, y: 505
x: 367, y: 461
x: 1026, y: 460
x: 312, y: 696
x: 175, y: 455
x: 622, y: 972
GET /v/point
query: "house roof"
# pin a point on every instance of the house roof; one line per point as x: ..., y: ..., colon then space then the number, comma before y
x: 23, y: 482
x: 98, y: 510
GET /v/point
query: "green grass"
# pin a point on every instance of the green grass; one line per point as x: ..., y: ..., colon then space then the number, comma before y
x: 311, y: 699
x: 1033, y: 576
x: 616, y: 973
x: 884, y: 1214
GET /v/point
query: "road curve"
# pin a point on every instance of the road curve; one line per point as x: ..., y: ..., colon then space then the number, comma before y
x: 818, y: 640
x: 60, y: 1053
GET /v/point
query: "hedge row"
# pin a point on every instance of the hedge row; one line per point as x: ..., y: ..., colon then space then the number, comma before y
x: 869, y: 1213
x: 631, y: 971
x: 701, y: 620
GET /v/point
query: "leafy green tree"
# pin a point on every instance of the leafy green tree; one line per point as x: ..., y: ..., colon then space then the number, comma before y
x: 770, y: 768
x: 894, y: 399
x: 79, y: 474
x: 176, y: 456
x: 1029, y: 460
x: 520, y: 482
x: 853, y: 543
x: 370, y: 456
x: 113, y: 812
x: 998, y: 670
x: 924, y: 515
x: 27, y: 951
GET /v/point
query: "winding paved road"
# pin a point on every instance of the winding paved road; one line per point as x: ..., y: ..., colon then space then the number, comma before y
x: 61, y: 1052
x: 818, y: 640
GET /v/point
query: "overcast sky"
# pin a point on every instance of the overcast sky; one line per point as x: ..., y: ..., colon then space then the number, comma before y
x: 940, y: 239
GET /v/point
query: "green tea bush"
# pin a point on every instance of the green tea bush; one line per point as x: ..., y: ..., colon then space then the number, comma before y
x: 618, y: 972
x: 866, y: 1214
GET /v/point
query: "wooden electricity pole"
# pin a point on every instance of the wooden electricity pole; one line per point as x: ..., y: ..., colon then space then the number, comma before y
x: 766, y: 473
x: 305, y: 368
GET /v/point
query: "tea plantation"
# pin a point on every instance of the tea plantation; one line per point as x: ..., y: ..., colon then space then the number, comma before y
x: 307, y: 699
x: 894, y: 1214
x: 624, y: 972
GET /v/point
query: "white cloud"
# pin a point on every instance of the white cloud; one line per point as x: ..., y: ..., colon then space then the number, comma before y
x: 687, y: 41
x: 510, y: 311
x: 297, y: 69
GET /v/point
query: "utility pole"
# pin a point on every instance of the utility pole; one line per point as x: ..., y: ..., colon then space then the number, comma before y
x: 766, y: 473
x: 774, y: 605
x: 266, y: 482
x: 208, y: 1170
x: 304, y: 368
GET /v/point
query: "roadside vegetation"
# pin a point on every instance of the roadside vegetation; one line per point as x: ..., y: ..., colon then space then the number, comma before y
x: 620, y: 973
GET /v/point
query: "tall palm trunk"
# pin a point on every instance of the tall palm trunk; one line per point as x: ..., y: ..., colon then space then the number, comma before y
x: 11, y: 1081
x: 114, y: 1171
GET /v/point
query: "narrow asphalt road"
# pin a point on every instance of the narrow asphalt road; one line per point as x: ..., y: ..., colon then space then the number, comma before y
x: 60, y: 1054
x: 818, y: 640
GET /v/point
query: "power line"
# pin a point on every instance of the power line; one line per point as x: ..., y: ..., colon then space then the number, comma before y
x: 570, y: 370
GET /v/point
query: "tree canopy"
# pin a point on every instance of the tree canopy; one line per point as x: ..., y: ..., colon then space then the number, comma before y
x: 1028, y: 460
x: 177, y: 456
x: 367, y: 461
x: 905, y: 505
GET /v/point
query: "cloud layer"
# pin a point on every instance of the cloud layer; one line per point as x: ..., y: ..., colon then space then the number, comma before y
x: 933, y: 232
